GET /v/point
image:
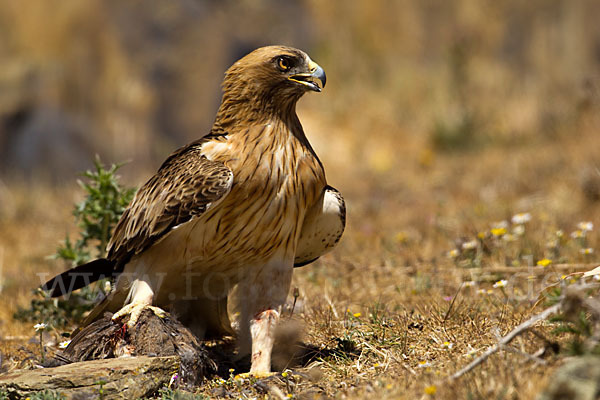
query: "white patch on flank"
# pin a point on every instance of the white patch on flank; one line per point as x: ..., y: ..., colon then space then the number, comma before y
x: 212, y: 149
x: 331, y: 203
x: 322, y: 228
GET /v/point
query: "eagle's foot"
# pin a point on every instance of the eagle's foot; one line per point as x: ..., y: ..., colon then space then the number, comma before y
x: 135, y: 310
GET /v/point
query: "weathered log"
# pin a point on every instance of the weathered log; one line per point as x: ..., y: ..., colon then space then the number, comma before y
x: 114, y: 378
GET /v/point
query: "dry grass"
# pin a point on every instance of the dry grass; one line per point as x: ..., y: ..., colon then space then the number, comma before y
x: 418, y: 180
x: 389, y: 286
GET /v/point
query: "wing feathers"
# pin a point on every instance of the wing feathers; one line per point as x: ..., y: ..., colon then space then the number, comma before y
x: 78, y: 277
x: 185, y: 186
x: 322, y: 228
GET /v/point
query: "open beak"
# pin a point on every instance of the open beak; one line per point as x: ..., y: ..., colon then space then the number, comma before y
x: 314, y: 80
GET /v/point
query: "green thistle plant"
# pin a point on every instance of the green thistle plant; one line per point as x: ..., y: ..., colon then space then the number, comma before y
x: 96, y: 216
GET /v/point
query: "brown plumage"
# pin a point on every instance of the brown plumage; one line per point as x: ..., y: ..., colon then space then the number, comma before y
x: 234, y: 210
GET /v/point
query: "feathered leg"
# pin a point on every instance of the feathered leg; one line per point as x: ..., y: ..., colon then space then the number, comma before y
x: 261, y: 294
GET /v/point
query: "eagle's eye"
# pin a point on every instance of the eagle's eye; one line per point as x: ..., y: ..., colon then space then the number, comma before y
x: 283, y: 64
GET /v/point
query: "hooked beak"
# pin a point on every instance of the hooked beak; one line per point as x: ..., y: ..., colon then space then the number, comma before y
x: 314, y: 80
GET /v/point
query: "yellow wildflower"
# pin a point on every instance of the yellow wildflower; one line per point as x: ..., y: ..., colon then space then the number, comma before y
x: 447, y: 345
x: 498, y: 231
x: 430, y: 390
x: 544, y: 262
x: 453, y: 253
x: 401, y: 237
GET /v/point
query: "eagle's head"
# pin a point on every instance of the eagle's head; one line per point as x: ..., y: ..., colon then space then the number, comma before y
x: 271, y: 78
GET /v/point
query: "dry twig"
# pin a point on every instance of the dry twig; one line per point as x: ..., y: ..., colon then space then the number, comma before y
x: 508, y: 338
x: 530, y: 357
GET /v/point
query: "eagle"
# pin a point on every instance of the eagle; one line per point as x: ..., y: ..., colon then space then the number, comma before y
x: 225, y: 219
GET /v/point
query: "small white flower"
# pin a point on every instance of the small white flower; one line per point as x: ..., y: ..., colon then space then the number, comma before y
x: 559, y: 233
x: 453, y: 253
x: 587, y: 251
x: 481, y: 291
x: 63, y: 345
x: 500, y: 225
x: 521, y: 218
x: 447, y: 345
x: 500, y: 283
x: 174, y: 377
x: 577, y: 234
x: 469, y: 283
x: 585, y: 226
x: 470, y: 245
x: 509, y: 237
x: 519, y: 230
x: 424, y: 364
x: 40, y: 327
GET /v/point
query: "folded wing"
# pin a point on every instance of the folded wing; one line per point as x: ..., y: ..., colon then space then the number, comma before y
x: 323, y: 226
x: 185, y: 186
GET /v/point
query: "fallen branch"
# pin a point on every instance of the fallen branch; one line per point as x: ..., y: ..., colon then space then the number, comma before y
x: 113, y: 378
x: 537, y: 268
x: 508, y: 338
x: 530, y: 357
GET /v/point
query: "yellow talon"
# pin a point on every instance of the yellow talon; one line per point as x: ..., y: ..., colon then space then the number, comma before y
x: 135, y: 310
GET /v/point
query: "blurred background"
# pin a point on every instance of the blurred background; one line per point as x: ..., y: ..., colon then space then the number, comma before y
x: 438, y: 117
x: 133, y: 80
x: 440, y: 121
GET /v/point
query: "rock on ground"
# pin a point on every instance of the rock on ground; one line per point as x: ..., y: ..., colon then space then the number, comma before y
x: 578, y: 379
